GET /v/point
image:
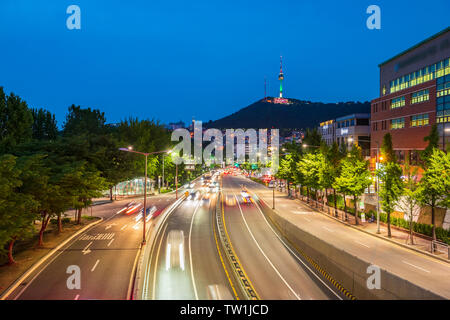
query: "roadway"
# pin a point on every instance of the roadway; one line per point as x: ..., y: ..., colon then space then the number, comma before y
x: 274, y: 268
x: 105, y: 254
x: 202, y: 275
x: 417, y: 268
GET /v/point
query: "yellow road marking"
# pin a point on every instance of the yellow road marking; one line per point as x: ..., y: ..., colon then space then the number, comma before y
x: 234, y: 252
x: 223, y: 263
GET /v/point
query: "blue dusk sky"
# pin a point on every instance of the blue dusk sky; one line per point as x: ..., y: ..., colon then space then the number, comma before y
x: 174, y: 60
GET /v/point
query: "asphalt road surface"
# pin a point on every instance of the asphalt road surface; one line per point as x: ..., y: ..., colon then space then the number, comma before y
x: 201, y: 274
x: 105, y: 255
x: 420, y: 269
x: 275, y: 270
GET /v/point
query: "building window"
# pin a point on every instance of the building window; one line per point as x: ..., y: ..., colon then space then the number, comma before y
x: 428, y: 73
x: 443, y: 86
x: 397, y: 123
x: 443, y: 109
x: 420, y: 96
x: 398, y: 102
x: 419, y: 120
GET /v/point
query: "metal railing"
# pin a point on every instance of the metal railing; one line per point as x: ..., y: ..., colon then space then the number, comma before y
x: 438, y: 246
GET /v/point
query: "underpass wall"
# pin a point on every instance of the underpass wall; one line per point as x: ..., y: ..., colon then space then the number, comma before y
x: 350, y: 271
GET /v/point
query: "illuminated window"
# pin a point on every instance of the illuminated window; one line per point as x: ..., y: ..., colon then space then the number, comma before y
x: 398, y: 102
x: 419, y: 120
x: 420, y: 96
x: 397, y: 123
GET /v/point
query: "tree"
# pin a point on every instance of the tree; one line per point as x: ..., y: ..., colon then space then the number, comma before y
x: 354, y: 177
x: 16, y: 207
x: 44, y: 125
x: 84, y: 121
x: 409, y: 203
x: 309, y: 167
x: 434, y: 187
x: 15, y: 121
x: 390, y: 173
x: 334, y: 156
x: 433, y: 143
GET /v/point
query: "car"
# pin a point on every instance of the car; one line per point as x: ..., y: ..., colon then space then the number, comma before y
x: 175, y: 250
x: 133, y: 208
x: 230, y: 200
x: 246, y: 198
x: 192, y: 195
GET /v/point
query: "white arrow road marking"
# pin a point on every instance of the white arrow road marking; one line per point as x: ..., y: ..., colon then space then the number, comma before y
x: 109, y: 243
x: 86, y: 249
x: 110, y: 225
x: 95, y: 265
x: 415, y: 266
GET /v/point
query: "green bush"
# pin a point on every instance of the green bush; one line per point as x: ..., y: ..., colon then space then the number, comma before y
x: 63, y: 221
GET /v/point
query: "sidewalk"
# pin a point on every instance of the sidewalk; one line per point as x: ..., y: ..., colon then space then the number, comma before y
x: 400, y: 236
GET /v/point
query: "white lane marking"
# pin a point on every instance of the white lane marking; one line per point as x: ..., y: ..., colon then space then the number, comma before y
x: 95, y: 265
x: 301, y: 212
x: 412, y: 265
x: 76, y: 297
x: 124, y: 227
x: 86, y: 249
x: 156, y: 264
x: 265, y: 256
x: 109, y: 243
x: 365, y: 245
x: 329, y: 230
x: 110, y: 225
x: 190, y: 252
x: 294, y: 253
x: 307, y: 219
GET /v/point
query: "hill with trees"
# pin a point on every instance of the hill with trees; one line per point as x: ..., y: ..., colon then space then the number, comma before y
x: 297, y: 115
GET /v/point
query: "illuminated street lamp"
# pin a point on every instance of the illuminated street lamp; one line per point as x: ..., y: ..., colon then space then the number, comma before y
x: 146, y: 154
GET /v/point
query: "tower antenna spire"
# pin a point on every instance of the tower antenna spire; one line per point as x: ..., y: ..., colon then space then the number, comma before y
x: 281, y: 76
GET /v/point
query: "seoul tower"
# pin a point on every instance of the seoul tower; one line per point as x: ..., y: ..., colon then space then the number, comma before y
x: 281, y: 77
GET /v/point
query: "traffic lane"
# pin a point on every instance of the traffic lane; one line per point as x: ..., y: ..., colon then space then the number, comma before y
x: 206, y: 264
x: 421, y: 269
x: 266, y: 282
x: 301, y: 283
x: 98, y: 237
x: 174, y: 283
x: 108, y: 209
x: 103, y: 242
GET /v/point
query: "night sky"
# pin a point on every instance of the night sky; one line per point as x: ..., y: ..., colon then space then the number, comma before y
x: 174, y: 60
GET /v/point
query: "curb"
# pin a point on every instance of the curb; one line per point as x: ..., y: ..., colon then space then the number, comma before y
x: 16, y: 283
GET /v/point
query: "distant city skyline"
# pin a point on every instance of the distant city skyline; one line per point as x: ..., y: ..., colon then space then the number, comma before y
x: 178, y: 60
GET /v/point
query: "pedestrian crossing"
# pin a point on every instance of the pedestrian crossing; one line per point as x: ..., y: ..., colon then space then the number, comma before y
x: 98, y: 236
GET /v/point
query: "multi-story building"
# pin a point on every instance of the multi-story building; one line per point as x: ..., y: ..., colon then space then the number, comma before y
x: 328, y: 131
x: 414, y: 94
x: 349, y: 130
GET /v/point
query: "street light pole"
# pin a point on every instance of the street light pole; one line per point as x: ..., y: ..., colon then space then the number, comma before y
x: 146, y: 154
x: 145, y: 202
x: 163, y: 171
x: 176, y: 181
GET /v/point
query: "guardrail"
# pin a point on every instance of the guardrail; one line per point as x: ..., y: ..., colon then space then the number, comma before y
x: 440, y: 247
x: 239, y: 274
